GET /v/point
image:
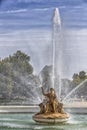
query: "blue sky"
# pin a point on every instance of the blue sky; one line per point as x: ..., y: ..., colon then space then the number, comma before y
x: 27, y: 25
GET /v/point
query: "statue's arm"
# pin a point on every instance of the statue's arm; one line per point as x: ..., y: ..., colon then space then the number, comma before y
x: 43, y: 92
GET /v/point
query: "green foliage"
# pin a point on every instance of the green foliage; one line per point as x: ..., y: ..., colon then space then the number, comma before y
x: 82, y: 75
x: 20, y: 62
x: 11, y: 68
x: 78, y: 78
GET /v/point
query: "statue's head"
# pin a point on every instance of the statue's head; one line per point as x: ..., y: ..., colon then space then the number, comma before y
x: 52, y: 91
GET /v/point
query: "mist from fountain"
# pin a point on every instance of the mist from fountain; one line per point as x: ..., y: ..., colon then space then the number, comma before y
x: 31, y: 87
x: 73, y: 90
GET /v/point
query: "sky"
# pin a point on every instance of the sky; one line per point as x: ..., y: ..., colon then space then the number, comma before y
x: 26, y: 25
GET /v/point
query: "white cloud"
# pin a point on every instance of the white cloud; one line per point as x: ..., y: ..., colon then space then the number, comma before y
x: 13, y: 11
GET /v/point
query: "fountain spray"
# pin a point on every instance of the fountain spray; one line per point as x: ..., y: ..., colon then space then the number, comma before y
x: 56, y: 48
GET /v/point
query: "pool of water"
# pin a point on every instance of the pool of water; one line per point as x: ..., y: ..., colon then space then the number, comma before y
x: 25, y: 122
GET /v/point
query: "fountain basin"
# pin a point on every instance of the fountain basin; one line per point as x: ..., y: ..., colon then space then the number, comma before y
x: 51, y: 118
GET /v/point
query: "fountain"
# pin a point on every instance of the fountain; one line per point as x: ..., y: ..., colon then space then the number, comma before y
x: 74, y: 90
x: 56, y: 48
x: 51, y: 109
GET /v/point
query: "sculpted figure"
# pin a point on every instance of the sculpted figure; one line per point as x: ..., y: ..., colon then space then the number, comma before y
x: 52, y: 102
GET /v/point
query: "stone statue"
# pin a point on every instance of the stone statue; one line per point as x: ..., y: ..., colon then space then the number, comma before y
x: 51, y: 110
x: 51, y: 104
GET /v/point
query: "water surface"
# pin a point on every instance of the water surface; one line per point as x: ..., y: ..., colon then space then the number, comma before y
x: 25, y: 122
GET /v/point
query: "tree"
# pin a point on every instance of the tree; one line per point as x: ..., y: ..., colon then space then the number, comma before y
x: 82, y: 75
x: 21, y: 56
x: 21, y: 63
x: 13, y: 70
x: 78, y: 78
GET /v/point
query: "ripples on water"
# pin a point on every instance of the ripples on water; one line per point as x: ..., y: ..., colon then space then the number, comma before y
x: 25, y: 122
